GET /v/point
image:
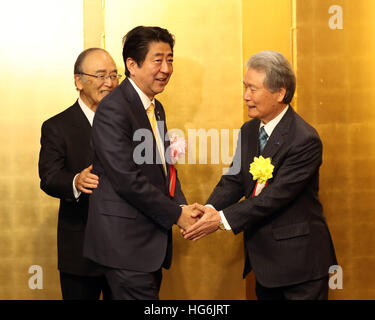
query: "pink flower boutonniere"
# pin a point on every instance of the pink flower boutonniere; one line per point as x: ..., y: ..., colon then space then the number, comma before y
x: 177, y: 148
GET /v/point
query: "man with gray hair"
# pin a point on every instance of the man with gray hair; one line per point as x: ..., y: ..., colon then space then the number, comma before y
x: 65, y: 170
x: 287, y: 241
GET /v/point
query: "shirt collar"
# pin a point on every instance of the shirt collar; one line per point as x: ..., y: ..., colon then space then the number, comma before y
x: 271, y: 125
x: 145, y: 100
x: 86, y: 110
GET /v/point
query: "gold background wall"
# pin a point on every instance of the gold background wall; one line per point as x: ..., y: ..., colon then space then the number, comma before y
x: 214, y: 38
x: 336, y: 93
x: 41, y: 40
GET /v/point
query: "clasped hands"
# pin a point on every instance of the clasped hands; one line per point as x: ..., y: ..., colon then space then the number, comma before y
x: 197, y: 221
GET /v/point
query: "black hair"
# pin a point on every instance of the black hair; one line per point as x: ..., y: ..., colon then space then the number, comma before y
x: 136, y: 43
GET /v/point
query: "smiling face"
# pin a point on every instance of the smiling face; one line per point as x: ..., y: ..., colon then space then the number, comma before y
x: 261, y: 102
x: 155, y: 71
x: 93, y: 90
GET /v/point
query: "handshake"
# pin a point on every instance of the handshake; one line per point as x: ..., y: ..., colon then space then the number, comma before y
x: 197, y: 221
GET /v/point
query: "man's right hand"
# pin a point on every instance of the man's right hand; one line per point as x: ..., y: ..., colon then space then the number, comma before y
x: 189, y: 215
x: 86, y: 180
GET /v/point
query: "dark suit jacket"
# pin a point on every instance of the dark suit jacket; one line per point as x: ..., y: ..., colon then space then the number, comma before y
x: 65, y: 151
x: 131, y: 213
x: 285, y: 233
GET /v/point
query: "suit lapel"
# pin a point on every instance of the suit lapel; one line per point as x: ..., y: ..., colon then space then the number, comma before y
x: 162, y: 126
x: 160, y: 117
x: 81, y: 128
x: 251, y: 152
x: 135, y: 103
x: 140, y: 113
x: 277, y: 138
x: 274, y: 143
x: 79, y: 119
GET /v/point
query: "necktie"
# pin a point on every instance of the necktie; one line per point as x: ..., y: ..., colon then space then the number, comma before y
x: 263, y: 136
x: 151, y: 117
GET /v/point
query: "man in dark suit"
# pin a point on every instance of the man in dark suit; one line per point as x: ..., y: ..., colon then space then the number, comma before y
x: 287, y: 241
x: 65, y: 172
x: 138, y: 200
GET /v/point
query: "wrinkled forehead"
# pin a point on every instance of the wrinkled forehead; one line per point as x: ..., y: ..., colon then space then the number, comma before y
x: 98, y: 62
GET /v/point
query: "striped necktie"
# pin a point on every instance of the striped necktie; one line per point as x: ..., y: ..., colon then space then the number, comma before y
x: 263, y: 136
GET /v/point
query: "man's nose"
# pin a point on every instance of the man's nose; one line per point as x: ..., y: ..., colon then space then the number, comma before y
x: 247, y: 94
x: 109, y: 82
x: 165, y: 67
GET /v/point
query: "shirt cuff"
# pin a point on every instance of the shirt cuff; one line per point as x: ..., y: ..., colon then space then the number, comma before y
x: 76, y: 192
x: 223, y: 220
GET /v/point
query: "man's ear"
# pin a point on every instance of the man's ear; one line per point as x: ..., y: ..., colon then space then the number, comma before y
x: 78, y: 82
x: 281, y: 96
x: 131, y: 64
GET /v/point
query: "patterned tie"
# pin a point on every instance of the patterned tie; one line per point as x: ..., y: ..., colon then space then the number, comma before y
x: 263, y: 136
x: 151, y: 117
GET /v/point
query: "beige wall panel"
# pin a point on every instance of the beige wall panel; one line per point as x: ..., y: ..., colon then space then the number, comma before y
x: 93, y: 24
x: 267, y: 25
x: 205, y: 92
x: 40, y: 42
x: 336, y: 94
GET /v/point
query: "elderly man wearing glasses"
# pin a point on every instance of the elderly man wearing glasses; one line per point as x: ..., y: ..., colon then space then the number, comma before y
x: 65, y: 172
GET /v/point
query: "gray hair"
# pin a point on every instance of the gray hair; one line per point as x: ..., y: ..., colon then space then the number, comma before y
x: 279, y: 73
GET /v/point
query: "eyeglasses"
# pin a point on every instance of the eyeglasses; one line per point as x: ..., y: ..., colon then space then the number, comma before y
x: 102, y: 77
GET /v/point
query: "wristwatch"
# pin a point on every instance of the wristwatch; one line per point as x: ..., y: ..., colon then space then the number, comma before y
x: 221, y: 225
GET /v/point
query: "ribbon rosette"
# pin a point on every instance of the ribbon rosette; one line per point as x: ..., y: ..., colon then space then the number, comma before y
x: 177, y: 148
x: 261, y: 170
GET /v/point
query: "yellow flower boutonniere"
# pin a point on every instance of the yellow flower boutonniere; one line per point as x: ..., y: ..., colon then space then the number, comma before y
x: 261, y: 169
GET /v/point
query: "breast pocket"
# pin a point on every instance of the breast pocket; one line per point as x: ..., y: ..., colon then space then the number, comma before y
x: 117, y: 209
